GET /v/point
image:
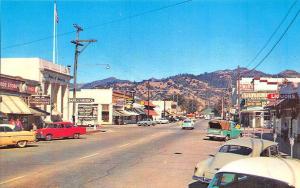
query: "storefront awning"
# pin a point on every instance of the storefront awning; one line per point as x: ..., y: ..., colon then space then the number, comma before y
x: 13, y: 105
x: 140, y: 111
x: 131, y: 113
x: 151, y: 112
x: 38, y: 112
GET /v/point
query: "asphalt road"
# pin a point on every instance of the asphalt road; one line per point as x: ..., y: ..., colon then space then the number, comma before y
x: 124, y: 156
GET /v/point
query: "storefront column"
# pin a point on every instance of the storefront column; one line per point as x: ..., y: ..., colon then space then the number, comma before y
x: 48, y: 107
x: 253, y: 120
x: 59, y: 99
x: 65, y: 102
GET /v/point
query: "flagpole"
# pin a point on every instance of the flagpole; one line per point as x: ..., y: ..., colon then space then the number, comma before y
x: 54, y: 34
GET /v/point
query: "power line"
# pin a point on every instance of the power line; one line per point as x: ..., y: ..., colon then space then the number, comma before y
x: 285, y: 31
x: 102, y: 24
x: 272, y: 35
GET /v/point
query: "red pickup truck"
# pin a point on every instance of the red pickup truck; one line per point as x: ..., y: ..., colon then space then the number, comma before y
x: 60, y: 130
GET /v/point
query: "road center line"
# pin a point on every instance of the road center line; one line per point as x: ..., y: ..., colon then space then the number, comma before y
x: 10, y: 180
x: 89, y: 156
x: 124, y: 145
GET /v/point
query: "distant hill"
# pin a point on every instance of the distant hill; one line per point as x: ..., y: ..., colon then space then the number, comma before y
x: 204, y: 88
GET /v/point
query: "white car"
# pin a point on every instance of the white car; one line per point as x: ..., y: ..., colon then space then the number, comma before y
x: 259, y: 172
x: 187, y: 124
x: 232, y: 150
x: 162, y: 121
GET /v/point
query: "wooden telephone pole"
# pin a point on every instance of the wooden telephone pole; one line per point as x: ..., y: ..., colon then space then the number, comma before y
x: 77, y: 43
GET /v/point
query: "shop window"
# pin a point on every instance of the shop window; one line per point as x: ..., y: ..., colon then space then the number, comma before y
x: 105, y: 116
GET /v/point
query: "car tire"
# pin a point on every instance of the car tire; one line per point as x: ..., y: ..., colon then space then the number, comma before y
x: 48, y: 137
x: 76, y: 136
x: 22, y: 144
x: 241, y: 134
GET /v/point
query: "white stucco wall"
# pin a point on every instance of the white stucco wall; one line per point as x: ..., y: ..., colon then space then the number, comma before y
x: 101, y: 96
x: 28, y: 68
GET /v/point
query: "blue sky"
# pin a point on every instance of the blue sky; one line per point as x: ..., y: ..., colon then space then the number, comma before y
x: 194, y: 37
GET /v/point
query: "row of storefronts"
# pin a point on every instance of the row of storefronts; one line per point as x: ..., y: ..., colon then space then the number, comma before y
x: 34, y: 90
x: 271, y: 102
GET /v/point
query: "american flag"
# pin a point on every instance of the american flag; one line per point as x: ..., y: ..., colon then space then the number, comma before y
x: 55, y: 14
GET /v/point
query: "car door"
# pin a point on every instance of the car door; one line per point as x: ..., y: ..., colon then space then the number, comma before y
x: 5, y: 138
x: 68, y: 130
x: 8, y: 136
x: 60, y: 131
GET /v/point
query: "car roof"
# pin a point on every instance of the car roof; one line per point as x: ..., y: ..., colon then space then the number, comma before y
x: 7, y: 125
x: 285, y: 170
x: 60, y: 122
x: 257, y: 145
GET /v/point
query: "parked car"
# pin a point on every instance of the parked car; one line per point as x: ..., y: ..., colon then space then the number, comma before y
x: 223, y: 129
x: 60, y: 130
x: 187, y: 124
x: 233, y: 150
x: 258, y: 172
x: 162, y: 121
x: 10, y: 136
x: 146, y: 122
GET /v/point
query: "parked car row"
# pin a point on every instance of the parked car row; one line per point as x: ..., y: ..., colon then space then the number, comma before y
x: 9, y: 135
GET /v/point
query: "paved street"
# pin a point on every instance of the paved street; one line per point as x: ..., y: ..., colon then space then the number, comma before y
x: 123, y: 156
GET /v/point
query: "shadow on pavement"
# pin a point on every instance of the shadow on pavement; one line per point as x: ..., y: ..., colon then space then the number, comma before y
x: 197, y: 184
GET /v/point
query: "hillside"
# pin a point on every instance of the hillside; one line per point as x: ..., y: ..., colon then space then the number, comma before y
x: 204, y: 88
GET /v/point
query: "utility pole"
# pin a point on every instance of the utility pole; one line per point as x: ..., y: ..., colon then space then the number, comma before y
x: 222, y: 115
x: 164, y: 107
x: 148, y: 86
x: 239, y: 94
x: 77, y: 43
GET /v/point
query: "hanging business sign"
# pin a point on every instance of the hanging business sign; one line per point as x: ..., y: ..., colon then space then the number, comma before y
x: 254, y: 95
x: 81, y: 100
x: 288, y: 96
x: 9, y: 84
x: 273, y: 96
x: 246, y: 87
x: 39, y: 100
x: 87, y: 112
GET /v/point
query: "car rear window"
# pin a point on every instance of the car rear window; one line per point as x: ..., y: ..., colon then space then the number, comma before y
x: 236, y: 149
x: 187, y: 121
x: 214, y: 125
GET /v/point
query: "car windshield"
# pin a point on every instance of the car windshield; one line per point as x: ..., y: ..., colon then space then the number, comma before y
x: 236, y: 149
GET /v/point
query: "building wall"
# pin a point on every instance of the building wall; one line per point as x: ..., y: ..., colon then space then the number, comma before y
x: 53, y: 78
x: 101, y: 96
x: 28, y: 68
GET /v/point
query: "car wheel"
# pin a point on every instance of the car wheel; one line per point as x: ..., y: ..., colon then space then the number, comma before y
x: 22, y: 144
x: 227, y: 138
x: 48, y: 137
x: 76, y: 136
x: 139, y: 125
x: 241, y: 134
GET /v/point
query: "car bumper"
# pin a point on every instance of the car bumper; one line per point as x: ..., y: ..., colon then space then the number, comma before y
x: 215, y: 136
x: 202, y: 179
x: 40, y: 136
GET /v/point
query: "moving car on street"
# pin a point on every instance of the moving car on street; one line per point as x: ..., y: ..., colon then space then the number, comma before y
x: 233, y: 150
x: 223, y: 129
x: 258, y: 172
x: 162, y: 121
x: 10, y: 136
x: 146, y: 122
x: 60, y: 130
x: 187, y: 124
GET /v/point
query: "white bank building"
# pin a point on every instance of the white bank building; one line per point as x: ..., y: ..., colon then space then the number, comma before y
x: 54, y: 80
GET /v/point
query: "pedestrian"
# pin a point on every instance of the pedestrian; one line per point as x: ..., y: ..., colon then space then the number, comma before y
x: 34, y: 127
x: 12, y: 121
x: 285, y: 132
x: 19, y: 125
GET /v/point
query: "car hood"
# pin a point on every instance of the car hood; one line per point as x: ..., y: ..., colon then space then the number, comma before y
x: 219, y: 161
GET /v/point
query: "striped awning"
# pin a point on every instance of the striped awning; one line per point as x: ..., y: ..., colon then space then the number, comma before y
x: 13, y: 105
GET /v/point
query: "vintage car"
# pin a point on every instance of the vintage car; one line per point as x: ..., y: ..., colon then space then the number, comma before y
x: 187, y: 124
x: 60, y: 130
x: 162, y: 121
x: 258, y: 172
x: 10, y: 136
x: 146, y: 122
x: 223, y: 129
x: 233, y: 150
